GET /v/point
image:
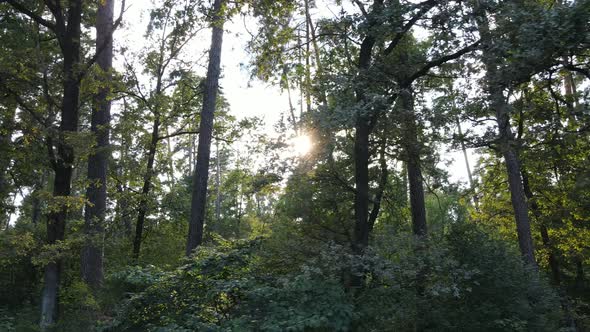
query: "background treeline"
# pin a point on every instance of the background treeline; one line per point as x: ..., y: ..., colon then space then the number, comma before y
x: 132, y: 199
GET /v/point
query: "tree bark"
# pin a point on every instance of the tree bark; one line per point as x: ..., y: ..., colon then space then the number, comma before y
x: 201, y: 175
x: 96, y: 193
x: 217, y: 183
x: 361, y: 139
x: 361, y: 178
x: 414, y: 166
x: 6, y: 130
x: 69, y: 39
x: 381, y: 188
x: 498, y: 103
x: 147, y: 186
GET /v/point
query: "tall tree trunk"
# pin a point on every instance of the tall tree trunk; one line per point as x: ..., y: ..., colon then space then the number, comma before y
x: 414, y: 166
x: 122, y: 209
x: 170, y: 156
x: 361, y: 140
x: 147, y: 186
x: 217, y: 182
x: 151, y: 153
x: 381, y: 188
x: 96, y: 193
x: 201, y: 176
x: 69, y: 39
x: 6, y: 129
x: 361, y: 178
x: 498, y: 103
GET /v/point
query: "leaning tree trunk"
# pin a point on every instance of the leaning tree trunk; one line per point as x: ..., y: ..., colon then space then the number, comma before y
x: 499, y: 104
x: 517, y: 196
x: 96, y: 193
x: 63, y: 163
x: 201, y: 176
x: 147, y: 186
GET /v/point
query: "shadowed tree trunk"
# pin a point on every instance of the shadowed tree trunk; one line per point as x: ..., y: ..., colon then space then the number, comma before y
x: 147, y: 186
x: 499, y: 104
x: 68, y: 35
x: 96, y: 193
x: 414, y: 167
x: 6, y: 130
x: 217, y: 182
x: 361, y: 138
x: 201, y: 175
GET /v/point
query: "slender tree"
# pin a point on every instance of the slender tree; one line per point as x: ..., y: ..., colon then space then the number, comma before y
x: 201, y: 175
x: 495, y: 86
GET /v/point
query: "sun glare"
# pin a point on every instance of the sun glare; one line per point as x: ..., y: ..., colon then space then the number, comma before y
x: 302, y: 145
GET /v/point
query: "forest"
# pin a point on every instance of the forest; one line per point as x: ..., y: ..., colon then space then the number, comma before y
x: 138, y: 193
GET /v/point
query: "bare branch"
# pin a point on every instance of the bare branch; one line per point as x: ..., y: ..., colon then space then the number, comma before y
x: 362, y: 8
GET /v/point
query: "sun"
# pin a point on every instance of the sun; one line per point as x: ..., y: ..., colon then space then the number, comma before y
x: 302, y: 144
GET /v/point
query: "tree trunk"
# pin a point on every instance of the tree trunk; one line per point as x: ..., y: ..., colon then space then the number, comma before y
x: 517, y: 195
x: 170, y: 157
x: 361, y: 141
x: 498, y: 103
x: 69, y: 39
x: 361, y: 178
x: 412, y: 149
x: 147, y: 186
x: 381, y: 188
x: 201, y: 175
x: 217, y: 183
x: 96, y: 193
x: 6, y: 130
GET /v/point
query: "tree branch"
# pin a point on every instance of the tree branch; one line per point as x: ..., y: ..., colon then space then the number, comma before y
x: 435, y: 63
x: 24, y: 10
x: 426, y: 6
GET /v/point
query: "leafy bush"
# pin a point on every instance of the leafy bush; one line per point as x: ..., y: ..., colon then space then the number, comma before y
x: 466, y: 282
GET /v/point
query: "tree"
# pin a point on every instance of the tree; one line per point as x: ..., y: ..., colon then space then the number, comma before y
x: 201, y: 176
x: 174, y: 26
x: 67, y: 29
x: 96, y: 193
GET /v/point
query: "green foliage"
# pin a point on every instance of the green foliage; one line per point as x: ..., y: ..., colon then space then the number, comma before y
x: 465, y: 282
x: 276, y: 254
